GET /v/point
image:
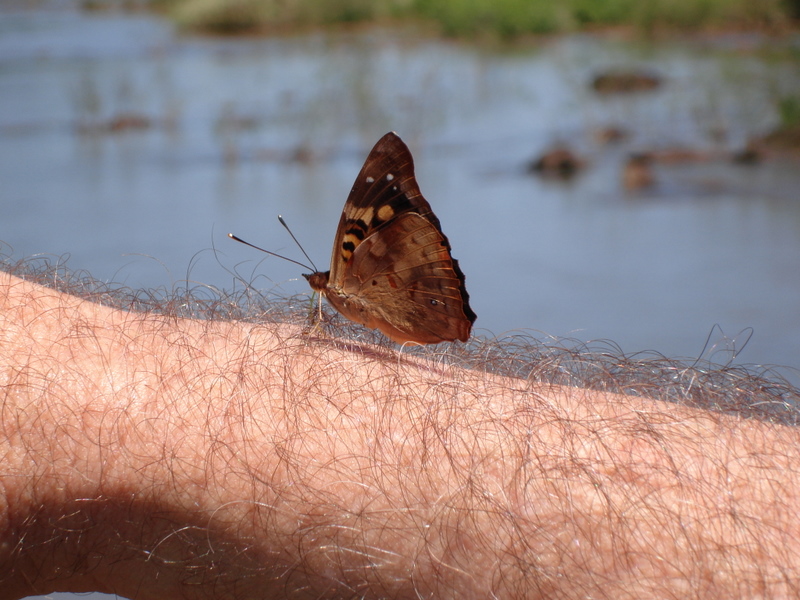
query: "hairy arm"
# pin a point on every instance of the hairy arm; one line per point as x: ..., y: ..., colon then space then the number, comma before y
x: 157, y: 457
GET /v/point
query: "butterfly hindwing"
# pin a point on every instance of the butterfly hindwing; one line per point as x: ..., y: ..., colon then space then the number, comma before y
x: 406, y: 278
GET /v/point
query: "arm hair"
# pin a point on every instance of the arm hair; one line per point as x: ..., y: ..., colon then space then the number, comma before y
x: 152, y: 455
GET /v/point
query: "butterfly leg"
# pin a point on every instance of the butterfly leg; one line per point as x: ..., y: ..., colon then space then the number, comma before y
x: 314, y: 320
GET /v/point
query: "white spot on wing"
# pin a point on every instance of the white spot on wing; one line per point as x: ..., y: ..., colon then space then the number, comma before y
x: 370, y: 179
x: 389, y: 177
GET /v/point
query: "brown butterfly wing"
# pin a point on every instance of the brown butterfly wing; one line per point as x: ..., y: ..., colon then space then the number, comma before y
x: 391, y: 266
x: 402, y: 281
x: 385, y: 187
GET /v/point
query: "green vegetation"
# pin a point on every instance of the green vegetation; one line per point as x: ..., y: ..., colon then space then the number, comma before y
x: 503, y: 18
x: 789, y: 110
x: 786, y: 138
x: 235, y: 16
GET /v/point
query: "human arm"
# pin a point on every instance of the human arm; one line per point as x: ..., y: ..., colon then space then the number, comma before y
x: 157, y: 457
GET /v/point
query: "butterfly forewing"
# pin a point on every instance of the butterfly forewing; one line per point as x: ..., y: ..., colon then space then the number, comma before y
x: 385, y: 187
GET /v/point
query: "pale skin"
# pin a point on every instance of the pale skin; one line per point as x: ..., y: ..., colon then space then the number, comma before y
x: 156, y: 457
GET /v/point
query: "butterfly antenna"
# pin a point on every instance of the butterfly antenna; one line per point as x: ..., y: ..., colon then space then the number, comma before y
x: 286, y: 227
x: 241, y: 241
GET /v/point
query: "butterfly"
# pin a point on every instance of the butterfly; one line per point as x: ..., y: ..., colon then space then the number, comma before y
x: 391, y: 267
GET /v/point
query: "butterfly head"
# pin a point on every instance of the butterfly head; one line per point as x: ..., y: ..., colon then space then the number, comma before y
x: 318, y: 281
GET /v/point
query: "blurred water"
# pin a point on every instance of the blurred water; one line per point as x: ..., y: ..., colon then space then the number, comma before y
x: 236, y: 131
x: 223, y: 135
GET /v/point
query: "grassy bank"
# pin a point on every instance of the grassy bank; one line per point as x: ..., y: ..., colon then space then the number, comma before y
x: 501, y: 18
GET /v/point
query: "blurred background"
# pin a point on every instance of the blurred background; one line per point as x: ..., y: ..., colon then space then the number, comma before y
x: 618, y: 170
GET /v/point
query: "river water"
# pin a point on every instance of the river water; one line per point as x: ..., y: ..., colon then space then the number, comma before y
x: 131, y: 150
